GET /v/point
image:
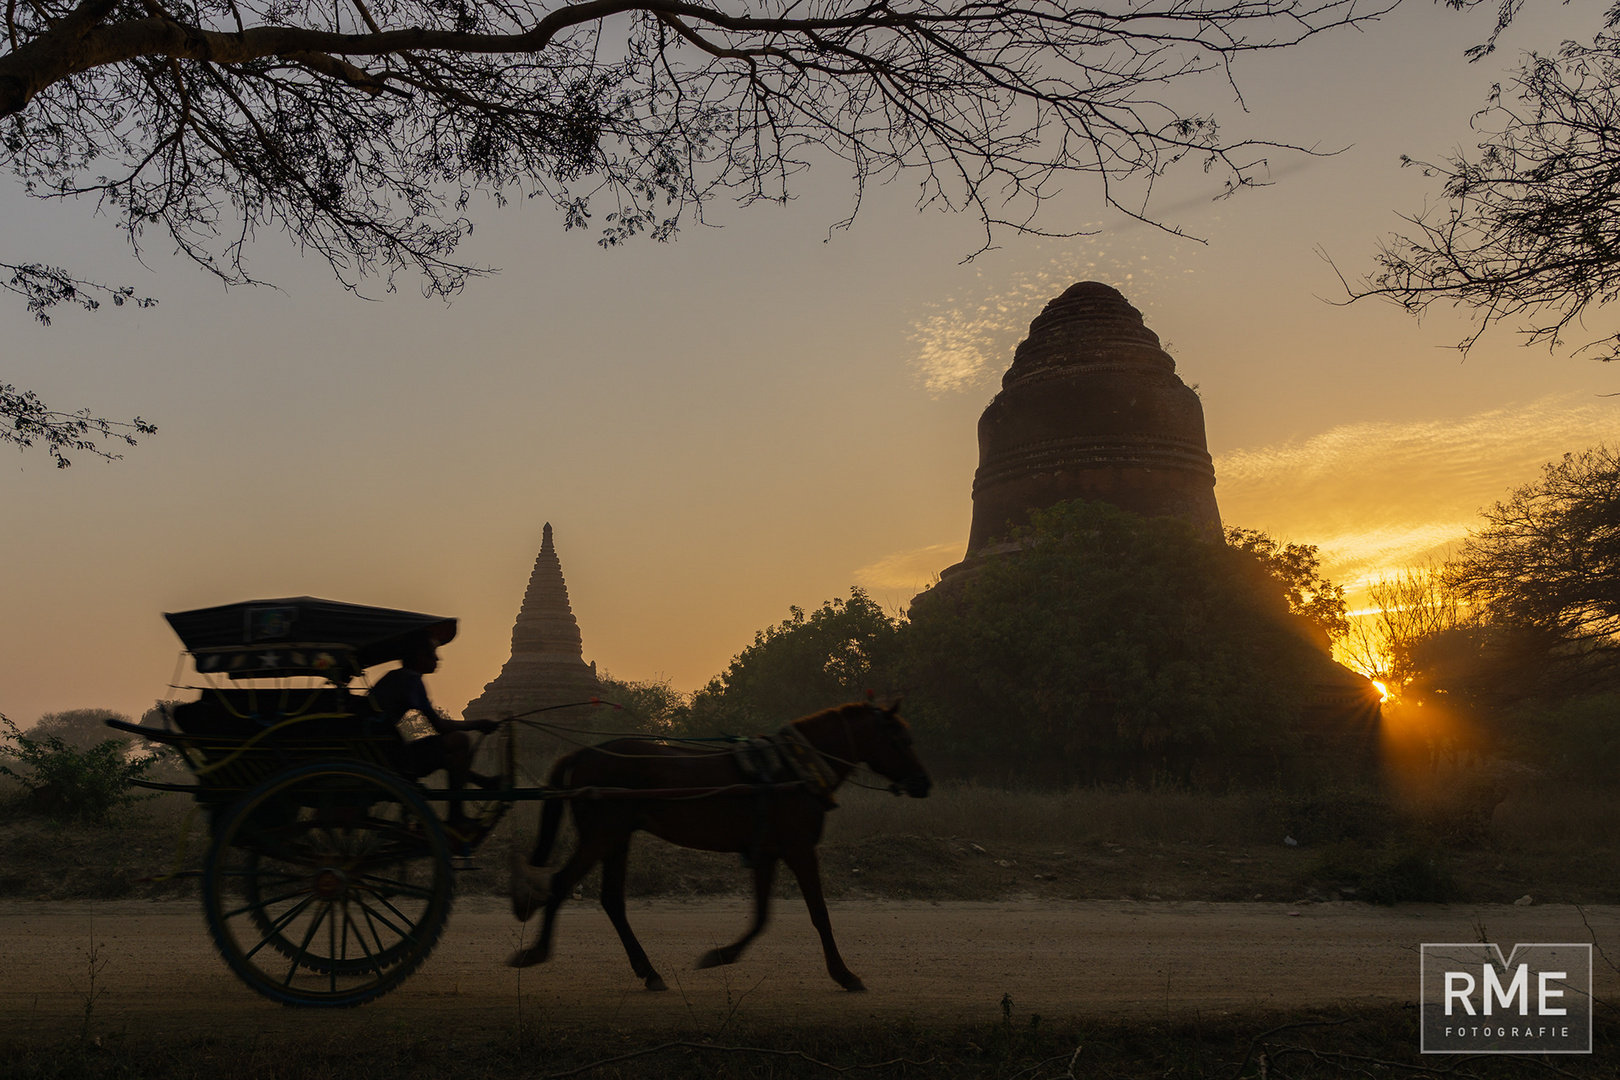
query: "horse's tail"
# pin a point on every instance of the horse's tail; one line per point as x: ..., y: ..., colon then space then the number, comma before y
x: 551, y: 815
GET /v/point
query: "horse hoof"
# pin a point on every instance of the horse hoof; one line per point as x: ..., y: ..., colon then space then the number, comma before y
x: 527, y: 958
x: 712, y: 958
x: 853, y: 985
x: 655, y: 983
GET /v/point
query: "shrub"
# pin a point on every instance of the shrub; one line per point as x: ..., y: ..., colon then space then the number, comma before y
x: 66, y: 781
x: 1395, y: 874
x: 1336, y: 813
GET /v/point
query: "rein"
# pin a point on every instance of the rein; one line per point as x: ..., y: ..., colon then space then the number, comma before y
x: 809, y: 762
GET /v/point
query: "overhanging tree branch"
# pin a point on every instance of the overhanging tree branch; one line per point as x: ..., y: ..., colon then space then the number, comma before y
x: 364, y: 132
x: 1528, y: 228
x: 26, y: 421
x: 44, y: 287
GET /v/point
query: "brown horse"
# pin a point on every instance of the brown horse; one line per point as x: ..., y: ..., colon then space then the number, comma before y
x: 702, y: 797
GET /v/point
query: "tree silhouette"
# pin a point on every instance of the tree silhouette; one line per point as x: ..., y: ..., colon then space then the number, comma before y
x: 1526, y: 230
x: 364, y: 129
x: 1546, y: 566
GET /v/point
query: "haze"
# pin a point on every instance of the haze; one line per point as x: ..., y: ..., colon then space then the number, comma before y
x: 757, y: 415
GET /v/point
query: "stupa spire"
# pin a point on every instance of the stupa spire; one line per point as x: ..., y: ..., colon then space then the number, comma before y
x: 547, y: 665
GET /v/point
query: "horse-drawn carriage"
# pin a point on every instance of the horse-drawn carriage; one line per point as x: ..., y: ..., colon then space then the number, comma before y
x: 329, y: 873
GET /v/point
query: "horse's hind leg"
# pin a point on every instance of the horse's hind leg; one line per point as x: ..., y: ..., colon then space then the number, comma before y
x: 802, y: 861
x: 590, y: 851
x: 764, y: 875
x: 613, y: 867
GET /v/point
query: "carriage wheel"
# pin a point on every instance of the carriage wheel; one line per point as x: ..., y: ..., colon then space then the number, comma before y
x: 328, y: 884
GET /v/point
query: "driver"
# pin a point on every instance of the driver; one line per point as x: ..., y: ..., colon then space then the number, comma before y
x: 402, y: 691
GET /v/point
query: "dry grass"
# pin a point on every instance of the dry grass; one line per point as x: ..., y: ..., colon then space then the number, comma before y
x: 1555, y: 817
x: 1434, y: 840
x: 1363, y: 1041
x: 995, y: 816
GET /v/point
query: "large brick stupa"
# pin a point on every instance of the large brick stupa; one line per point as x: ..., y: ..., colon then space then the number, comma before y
x: 547, y: 666
x: 1091, y: 408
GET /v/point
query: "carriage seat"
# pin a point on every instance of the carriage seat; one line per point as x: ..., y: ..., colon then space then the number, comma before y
x: 242, y: 712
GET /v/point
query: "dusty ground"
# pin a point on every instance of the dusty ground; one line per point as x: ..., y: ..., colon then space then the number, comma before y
x: 928, y: 962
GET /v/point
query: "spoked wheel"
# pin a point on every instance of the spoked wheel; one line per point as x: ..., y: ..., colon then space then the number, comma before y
x: 328, y: 884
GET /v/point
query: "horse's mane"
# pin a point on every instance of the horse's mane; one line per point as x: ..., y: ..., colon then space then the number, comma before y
x: 850, y: 706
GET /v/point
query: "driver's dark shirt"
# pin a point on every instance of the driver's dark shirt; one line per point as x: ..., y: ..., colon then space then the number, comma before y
x: 398, y: 692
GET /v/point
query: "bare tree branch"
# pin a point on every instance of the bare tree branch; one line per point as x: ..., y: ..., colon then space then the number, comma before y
x: 1528, y: 231
x: 25, y: 420
x: 363, y: 131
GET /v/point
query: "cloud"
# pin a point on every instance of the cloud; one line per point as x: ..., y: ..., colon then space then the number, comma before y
x: 911, y: 571
x: 965, y: 343
x: 1380, y: 496
x: 1374, y: 498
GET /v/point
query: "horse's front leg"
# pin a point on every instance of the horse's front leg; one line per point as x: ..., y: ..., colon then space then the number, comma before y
x: 613, y: 873
x: 764, y: 877
x: 802, y: 861
x: 588, y: 854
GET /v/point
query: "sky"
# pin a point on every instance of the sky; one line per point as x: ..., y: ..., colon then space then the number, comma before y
x: 759, y: 414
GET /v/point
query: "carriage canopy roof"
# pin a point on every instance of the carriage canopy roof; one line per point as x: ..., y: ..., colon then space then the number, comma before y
x: 257, y: 638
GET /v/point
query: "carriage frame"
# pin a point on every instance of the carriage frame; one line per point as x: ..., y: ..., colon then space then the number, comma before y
x: 329, y: 875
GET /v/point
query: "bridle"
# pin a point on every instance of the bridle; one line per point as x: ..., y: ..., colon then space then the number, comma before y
x: 892, y: 728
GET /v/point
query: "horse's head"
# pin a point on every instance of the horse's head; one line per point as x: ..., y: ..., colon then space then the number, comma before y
x: 883, y: 741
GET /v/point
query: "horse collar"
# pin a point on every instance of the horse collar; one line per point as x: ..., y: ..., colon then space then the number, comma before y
x: 809, y: 765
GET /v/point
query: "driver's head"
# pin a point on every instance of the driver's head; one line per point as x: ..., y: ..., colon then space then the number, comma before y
x: 422, y: 654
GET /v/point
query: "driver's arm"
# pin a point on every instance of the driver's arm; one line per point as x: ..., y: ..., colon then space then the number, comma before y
x: 444, y: 725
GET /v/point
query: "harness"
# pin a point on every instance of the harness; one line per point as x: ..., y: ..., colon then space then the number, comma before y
x: 785, y: 757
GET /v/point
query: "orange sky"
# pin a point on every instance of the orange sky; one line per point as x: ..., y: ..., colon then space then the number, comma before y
x: 755, y: 416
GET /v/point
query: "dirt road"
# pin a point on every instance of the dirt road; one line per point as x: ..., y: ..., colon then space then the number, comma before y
x: 934, y: 963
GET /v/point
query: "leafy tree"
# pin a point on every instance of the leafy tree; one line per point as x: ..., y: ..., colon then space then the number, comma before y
x: 1298, y: 568
x: 651, y: 705
x: 81, y: 728
x: 65, y: 780
x: 1574, y: 740
x: 1525, y: 230
x: 1108, y: 647
x: 1546, y: 567
x: 808, y: 661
